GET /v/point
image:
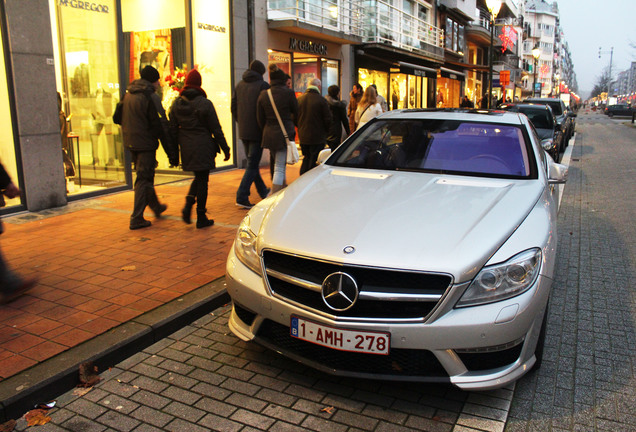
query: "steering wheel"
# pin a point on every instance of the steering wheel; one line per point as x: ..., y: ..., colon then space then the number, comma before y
x: 493, y: 158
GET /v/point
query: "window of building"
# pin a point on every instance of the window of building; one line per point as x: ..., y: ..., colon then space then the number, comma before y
x: 86, y: 62
x: 7, y: 144
x: 366, y: 77
x: 454, y: 36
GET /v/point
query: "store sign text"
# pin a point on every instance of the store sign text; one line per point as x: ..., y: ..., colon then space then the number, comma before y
x: 86, y: 5
x: 307, y: 46
x: 211, y: 27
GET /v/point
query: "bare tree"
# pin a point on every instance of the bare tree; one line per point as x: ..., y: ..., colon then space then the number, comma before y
x: 602, y: 82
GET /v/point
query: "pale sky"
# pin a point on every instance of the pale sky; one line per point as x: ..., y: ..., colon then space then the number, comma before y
x: 590, y: 24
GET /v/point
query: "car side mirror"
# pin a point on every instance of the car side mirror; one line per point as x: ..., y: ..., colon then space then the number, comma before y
x: 323, y: 156
x: 557, y: 173
x: 547, y: 144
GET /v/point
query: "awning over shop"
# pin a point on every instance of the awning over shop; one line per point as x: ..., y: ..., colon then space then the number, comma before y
x: 452, y: 74
x: 417, y: 70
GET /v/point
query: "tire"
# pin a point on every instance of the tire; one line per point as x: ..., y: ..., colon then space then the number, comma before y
x: 538, y: 351
x: 610, y: 115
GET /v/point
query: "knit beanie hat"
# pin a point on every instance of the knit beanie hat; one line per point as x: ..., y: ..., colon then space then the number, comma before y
x: 276, y: 74
x: 150, y: 74
x: 193, y: 81
x: 257, y: 66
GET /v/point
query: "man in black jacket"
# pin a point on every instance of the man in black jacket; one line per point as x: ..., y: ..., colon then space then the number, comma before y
x: 244, y: 112
x: 11, y: 285
x: 314, y: 121
x: 339, y: 116
x: 143, y: 124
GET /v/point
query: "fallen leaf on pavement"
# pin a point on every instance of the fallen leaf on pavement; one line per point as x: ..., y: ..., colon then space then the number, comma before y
x: 37, y: 417
x: 88, y: 375
x: 328, y: 410
x: 81, y: 391
x: 8, y: 426
x: 129, y: 268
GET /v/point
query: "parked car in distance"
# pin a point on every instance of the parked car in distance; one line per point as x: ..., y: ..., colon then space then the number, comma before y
x: 565, y: 117
x: 619, y: 110
x: 544, y: 122
x: 422, y: 249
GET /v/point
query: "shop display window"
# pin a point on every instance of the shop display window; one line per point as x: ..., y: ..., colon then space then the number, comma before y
x: 305, y: 70
x: 88, y: 86
x: 448, y: 92
x: 366, y: 77
x: 330, y: 74
x: 280, y: 59
x: 158, y: 40
x: 7, y: 144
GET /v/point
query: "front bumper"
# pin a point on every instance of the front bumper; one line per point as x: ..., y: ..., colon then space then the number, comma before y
x: 445, y: 348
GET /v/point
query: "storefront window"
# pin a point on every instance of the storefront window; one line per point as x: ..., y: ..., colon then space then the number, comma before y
x: 88, y: 86
x: 330, y: 75
x: 7, y: 146
x: 157, y: 39
x: 211, y: 21
x: 280, y: 59
x: 366, y: 77
x: 448, y: 92
x: 305, y: 69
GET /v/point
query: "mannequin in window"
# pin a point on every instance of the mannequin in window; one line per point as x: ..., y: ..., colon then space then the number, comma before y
x: 69, y: 168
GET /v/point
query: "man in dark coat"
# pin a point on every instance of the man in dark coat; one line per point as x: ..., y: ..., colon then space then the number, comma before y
x: 244, y: 112
x: 314, y: 122
x: 143, y: 124
x: 338, y: 110
x: 195, y: 125
x: 11, y: 285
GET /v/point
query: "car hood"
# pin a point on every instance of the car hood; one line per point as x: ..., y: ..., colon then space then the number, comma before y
x: 406, y: 220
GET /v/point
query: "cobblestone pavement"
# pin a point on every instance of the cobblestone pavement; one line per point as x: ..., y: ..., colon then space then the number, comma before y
x: 588, y: 378
x: 204, y: 378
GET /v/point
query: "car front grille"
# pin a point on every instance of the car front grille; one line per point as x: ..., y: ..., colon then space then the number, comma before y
x: 399, y: 362
x: 384, y: 294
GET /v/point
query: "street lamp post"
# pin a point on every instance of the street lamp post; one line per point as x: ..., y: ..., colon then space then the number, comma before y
x: 493, y: 7
x: 536, y: 53
x: 609, y: 82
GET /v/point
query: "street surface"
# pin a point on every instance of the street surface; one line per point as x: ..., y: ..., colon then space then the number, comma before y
x: 204, y: 378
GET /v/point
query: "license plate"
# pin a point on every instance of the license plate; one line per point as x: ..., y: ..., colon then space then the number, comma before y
x: 340, y: 339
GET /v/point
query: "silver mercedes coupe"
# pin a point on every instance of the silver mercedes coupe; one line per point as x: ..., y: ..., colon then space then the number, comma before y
x: 422, y: 249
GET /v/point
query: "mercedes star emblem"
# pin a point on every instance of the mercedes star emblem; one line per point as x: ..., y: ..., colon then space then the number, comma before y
x: 339, y: 291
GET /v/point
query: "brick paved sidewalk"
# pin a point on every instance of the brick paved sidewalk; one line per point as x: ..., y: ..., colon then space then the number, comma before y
x: 95, y: 274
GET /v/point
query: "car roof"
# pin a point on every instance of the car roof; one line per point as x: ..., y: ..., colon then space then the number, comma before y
x: 471, y: 115
x: 542, y: 100
x: 536, y: 106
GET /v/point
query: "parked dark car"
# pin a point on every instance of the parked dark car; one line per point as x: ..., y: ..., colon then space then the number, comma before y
x: 619, y: 110
x: 564, y: 116
x: 545, y: 123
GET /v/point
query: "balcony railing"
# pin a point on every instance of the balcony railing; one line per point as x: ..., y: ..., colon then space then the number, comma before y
x: 344, y: 16
x: 383, y: 23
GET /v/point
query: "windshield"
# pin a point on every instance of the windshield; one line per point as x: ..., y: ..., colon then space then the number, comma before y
x: 555, y: 105
x: 539, y: 118
x: 448, y: 146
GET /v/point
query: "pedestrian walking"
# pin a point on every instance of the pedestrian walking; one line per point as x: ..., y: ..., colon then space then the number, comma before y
x: 143, y: 125
x: 381, y: 99
x: 195, y: 126
x: 368, y: 108
x: 314, y: 123
x: 338, y: 116
x: 354, y: 97
x: 244, y: 112
x: 284, y: 99
x: 11, y: 284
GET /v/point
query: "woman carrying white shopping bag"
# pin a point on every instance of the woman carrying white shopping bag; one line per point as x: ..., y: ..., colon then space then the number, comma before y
x: 277, y: 113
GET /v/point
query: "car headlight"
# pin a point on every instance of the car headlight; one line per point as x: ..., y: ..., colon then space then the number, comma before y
x: 245, y: 246
x: 501, y: 281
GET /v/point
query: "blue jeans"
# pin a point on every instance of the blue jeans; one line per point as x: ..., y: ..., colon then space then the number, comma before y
x: 252, y: 173
x: 280, y: 166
